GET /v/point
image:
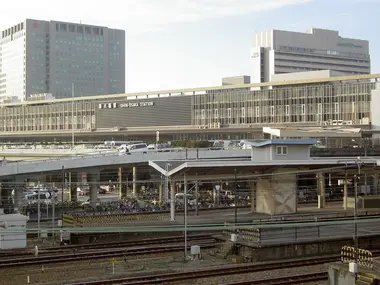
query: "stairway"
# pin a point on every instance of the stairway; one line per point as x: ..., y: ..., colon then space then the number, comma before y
x: 366, y: 279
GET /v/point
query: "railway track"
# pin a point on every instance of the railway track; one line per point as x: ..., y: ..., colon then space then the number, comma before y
x: 72, y: 257
x: 108, y: 245
x: 287, y: 280
x: 225, y: 270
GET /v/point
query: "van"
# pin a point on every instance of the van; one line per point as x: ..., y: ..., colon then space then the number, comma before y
x: 133, y: 148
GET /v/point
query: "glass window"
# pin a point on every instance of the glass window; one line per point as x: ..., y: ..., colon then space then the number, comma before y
x: 282, y: 150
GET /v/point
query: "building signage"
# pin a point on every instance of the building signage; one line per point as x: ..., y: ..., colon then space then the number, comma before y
x: 125, y: 105
x: 255, y: 55
x: 136, y: 104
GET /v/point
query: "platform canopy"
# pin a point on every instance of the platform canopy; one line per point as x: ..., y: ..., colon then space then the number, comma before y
x: 226, y: 169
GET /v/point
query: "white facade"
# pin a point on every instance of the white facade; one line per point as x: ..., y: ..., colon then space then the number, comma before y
x: 12, y: 62
x: 49, y: 57
x: 278, y: 52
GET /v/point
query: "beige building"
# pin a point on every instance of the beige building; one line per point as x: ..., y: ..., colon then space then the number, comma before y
x: 278, y: 52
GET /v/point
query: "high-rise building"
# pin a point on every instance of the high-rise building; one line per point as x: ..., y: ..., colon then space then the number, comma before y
x: 277, y: 52
x: 48, y: 57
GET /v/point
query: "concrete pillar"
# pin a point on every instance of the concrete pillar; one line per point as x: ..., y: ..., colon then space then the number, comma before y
x: 276, y: 195
x: 73, y: 187
x: 160, y: 193
x: 93, y: 179
x: 321, y: 190
x: 134, y: 178
x: 172, y: 201
x: 375, y: 184
x: 120, y: 182
x: 6, y: 196
x: 345, y: 184
x: 216, y: 194
x: 19, y: 184
x: 252, y: 186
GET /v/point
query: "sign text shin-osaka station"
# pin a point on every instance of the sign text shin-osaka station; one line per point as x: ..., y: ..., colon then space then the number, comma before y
x: 125, y: 105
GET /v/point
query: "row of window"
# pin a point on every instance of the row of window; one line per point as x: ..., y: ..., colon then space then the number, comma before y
x: 72, y: 28
x: 284, y: 110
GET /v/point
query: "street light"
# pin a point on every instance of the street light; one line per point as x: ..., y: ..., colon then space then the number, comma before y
x: 236, y: 201
x: 356, y: 239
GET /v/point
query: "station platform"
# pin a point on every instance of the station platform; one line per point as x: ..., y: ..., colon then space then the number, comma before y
x: 214, y: 217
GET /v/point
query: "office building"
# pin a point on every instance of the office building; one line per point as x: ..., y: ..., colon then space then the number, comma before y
x: 278, y: 52
x: 47, y: 57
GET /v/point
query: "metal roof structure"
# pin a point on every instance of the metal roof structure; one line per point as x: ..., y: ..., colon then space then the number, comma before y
x: 280, y: 142
x: 320, y: 132
x: 216, y: 169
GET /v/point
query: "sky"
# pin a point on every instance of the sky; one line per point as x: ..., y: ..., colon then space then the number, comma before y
x: 174, y: 44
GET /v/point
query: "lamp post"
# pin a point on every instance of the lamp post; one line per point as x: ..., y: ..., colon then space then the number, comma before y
x: 63, y: 189
x: 185, y: 211
x: 356, y: 239
x: 236, y: 201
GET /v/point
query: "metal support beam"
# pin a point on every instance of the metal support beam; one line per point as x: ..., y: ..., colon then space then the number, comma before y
x: 172, y: 201
x: 120, y: 182
x: 134, y: 178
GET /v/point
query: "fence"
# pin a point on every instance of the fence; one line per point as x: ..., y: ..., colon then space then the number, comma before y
x: 104, y: 220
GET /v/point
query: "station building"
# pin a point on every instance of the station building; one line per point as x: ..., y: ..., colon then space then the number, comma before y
x: 223, y: 112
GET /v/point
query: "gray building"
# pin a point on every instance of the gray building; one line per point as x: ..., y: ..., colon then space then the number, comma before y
x: 38, y: 57
x: 278, y: 52
x: 236, y: 80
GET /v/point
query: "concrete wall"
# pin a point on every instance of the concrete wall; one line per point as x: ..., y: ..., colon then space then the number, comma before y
x: 276, y: 195
x: 261, y: 153
x: 176, y: 110
x: 296, y: 250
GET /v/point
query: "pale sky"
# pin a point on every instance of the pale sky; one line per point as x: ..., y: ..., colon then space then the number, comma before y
x: 194, y: 43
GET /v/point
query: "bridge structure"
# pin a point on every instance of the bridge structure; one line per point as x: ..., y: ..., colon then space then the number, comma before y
x: 271, y: 168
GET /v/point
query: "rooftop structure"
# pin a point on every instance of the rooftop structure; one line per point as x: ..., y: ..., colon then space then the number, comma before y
x: 236, y: 80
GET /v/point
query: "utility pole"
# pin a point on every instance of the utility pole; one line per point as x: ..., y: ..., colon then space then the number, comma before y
x: 356, y: 239
x: 236, y: 201
x: 63, y: 190
x: 185, y: 211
